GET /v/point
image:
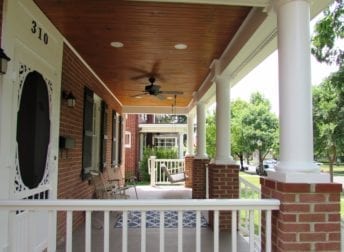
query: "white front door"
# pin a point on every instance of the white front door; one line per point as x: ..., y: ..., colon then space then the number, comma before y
x: 30, y: 132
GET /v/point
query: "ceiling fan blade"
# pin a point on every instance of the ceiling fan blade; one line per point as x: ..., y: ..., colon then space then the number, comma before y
x: 137, y: 95
x: 161, y: 97
x: 140, y: 76
x: 172, y: 92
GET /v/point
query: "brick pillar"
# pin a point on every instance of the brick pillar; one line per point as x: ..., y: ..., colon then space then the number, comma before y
x: 198, y: 178
x: 188, y: 170
x: 309, y: 216
x: 223, y: 184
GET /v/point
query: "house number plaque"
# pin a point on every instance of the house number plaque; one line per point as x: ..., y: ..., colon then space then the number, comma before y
x: 41, y: 35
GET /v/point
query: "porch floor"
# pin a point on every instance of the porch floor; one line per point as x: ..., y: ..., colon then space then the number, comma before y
x: 134, y: 234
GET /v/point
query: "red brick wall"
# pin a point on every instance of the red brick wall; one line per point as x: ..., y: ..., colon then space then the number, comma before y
x: 75, y: 76
x: 198, y: 178
x: 132, y: 153
x: 223, y: 184
x: 308, y: 219
x: 188, y: 171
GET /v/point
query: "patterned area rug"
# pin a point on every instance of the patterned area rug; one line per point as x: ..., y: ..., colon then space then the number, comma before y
x: 153, y: 219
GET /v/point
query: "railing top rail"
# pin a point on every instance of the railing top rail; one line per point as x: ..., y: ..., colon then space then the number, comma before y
x: 167, y: 159
x: 120, y: 205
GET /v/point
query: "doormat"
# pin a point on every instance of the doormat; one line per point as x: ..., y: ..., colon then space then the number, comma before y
x: 153, y: 219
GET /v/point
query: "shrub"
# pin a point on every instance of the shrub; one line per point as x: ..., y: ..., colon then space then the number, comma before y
x: 160, y: 153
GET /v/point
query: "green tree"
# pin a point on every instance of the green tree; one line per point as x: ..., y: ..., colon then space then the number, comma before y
x: 327, y: 32
x: 211, y: 134
x: 253, y: 127
x: 328, y: 97
x: 328, y: 116
x: 261, y: 127
x: 239, y: 145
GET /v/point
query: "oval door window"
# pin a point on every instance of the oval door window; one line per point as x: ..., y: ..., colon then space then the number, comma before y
x: 33, y: 129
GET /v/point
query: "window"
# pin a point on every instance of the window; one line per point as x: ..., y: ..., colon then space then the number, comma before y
x: 94, y: 134
x: 116, y: 152
x: 165, y: 142
x: 127, y: 139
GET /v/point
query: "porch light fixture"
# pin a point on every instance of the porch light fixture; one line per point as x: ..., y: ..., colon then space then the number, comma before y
x: 180, y: 46
x: 70, y: 98
x: 116, y: 44
x: 4, y: 59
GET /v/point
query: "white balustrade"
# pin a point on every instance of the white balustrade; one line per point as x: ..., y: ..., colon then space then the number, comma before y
x: 249, y: 218
x: 124, y: 206
x: 157, y: 176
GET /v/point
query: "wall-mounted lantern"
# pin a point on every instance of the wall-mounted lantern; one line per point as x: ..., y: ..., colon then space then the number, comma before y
x: 4, y: 59
x: 70, y: 98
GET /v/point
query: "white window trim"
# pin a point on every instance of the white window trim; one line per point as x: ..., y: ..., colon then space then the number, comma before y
x: 127, y: 139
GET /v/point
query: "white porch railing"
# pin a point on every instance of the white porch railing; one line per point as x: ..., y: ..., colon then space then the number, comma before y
x: 157, y: 176
x: 125, y: 206
x: 250, y: 191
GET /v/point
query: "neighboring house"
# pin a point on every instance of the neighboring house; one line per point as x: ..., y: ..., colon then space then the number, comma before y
x: 146, y: 130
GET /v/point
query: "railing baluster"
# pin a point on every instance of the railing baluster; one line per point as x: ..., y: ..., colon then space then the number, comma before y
x: 51, y: 233
x: 198, y: 231
x: 106, y: 231
x: 69, y: 232
x: 180, y: 231
x: 125, y: 231
x: 88, y: 231
x: 234, y: 230
x: 216, y: 230
x: 251, y: 236
x: 162, y: 231
x: 268, y: 230
x: 143, y: 231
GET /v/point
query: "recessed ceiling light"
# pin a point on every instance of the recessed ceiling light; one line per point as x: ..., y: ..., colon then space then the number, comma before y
x: 138, y: 97
x: 180, y: 46
x: 116, y: 44
x: 169, y: 98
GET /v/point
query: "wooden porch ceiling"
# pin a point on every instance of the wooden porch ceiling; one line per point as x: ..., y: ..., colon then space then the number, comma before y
x: 149, y: 32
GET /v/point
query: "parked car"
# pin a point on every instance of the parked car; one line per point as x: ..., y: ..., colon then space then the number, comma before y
x: 268, y: 165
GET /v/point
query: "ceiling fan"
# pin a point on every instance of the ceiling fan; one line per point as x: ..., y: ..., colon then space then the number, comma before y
x: 153, y: 89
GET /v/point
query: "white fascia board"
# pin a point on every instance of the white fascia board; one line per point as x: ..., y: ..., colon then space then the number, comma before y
x: 154, y: 110
x: 253, y: 3
x: 163, y: 128
x: 252, y: 51
x: 261, y: 44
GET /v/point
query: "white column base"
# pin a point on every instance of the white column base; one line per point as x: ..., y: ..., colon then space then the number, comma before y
x: 299, y: 177
x: 228, y: 161
x: 189, y: 155
x: 201, y: 157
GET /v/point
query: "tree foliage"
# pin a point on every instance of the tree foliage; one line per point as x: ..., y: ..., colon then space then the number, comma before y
x: 253, y: 127
x: 327, y: 32
x: 328, y: 115
x: 211, y: 134
x: 328, y: 97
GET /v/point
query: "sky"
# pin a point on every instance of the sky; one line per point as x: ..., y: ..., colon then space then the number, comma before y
x: 264, y: 78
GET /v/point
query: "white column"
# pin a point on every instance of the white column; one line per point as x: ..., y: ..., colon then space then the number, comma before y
x: 201, y: 137
x: 190, y: 138
x: 223, y: 146
x: 181, y: 145
x: 296, y: 131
